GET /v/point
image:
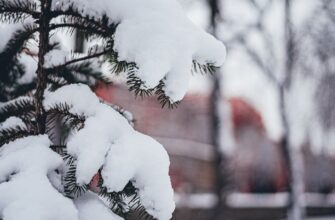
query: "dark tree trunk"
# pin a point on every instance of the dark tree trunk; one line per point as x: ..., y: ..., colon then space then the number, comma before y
x: 216, y: 104
x: 221, y: 173
x: 44, y: 21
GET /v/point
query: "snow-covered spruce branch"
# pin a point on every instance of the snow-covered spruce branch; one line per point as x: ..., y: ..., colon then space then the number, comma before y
x: 108, y: 134
x: 77, y: 68
x: 12, y: 133
x: 72, y: 15
x: 76, y: 60
x: 75, y: 121
x: 17, y: 10
x: 79, y: 157
x: 19, y: 107
x: 11, y: 65
x: 90, y: 29
x: 86, y: 72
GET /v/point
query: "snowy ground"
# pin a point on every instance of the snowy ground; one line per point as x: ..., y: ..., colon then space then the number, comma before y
x: 322, y: 218
x: 247, y: 200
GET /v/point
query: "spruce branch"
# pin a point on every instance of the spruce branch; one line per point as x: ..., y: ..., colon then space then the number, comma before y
x: 17, y: 10
x: 81, y: 72
x: 208, y: 68
x: 56, y: 82
x: 9, y: 66
x: 125, y: 203
x: 72, y: 15
x: 116, y: 200
x: 136, y: 85
x: 90, y: 29
x: 91, y: 55
x: 59, y: 118
x: 21, y: 107
x: 22, y: 89
x: 163, y: 99
x: 62, y: 110
x: 11, y: 134
x: 71, y: 188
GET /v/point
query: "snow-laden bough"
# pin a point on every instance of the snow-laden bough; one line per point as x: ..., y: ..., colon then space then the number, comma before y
x: 25, y: 190
x: 108, y: 141
x: 157, y: 36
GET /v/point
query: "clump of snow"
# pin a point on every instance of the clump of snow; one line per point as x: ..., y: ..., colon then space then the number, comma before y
x: 7, y: 31
x: 109, y: 141
x: 55, y: 58
x: 91, y: 144
x: 80, y: 97
x: 91, y: 207
x: 140, y: 158
x: 24, y: 185
x: 158, y: 37
x: 12, y: 122
x: 30, y: 65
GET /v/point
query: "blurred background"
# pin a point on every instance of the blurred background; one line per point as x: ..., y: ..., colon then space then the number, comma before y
x: 256, y: 140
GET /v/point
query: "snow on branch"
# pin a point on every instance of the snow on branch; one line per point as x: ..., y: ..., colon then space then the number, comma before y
x: 109, y: 142
x: 25, y: 166
x: 157, y: 36
x: 12, y: 122
x: 91, y: 207
x: 13, y: 11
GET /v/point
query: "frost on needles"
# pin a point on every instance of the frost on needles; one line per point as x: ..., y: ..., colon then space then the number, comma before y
x: 65, y: 154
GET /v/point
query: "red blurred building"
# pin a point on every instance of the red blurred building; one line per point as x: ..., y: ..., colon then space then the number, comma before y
x: 255, y: 163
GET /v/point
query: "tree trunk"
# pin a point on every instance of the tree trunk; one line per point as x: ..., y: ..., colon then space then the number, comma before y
x: 216, y: 111
x: 294, y: 163
x: 292, y: 154
x: 219, y: 157
x: 44, y: 21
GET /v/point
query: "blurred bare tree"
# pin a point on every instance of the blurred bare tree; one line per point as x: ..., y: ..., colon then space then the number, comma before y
x: 281, y: 77
x: 317, y: 58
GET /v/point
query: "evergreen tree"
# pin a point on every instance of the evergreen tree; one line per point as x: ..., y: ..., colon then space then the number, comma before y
x: 65, y: 154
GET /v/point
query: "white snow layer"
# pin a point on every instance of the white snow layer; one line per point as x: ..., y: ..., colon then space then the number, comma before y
x: 24, y: 185
x: 108, y: 141
x: 12, y: 122
x: 30, y: 65
x: 7, y: 31
x: 56, y: 57
x: 91, y: 207
x: 158, y: 37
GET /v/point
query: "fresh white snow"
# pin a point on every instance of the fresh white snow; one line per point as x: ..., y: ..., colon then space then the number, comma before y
x: 26, y: 192
x: 158, y: 37
x: 7, y: 31
x: 55, y: 58
x: 91, y: 207
x: 109, y: 141
x: 12, y: 122
x: 30, y: 65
